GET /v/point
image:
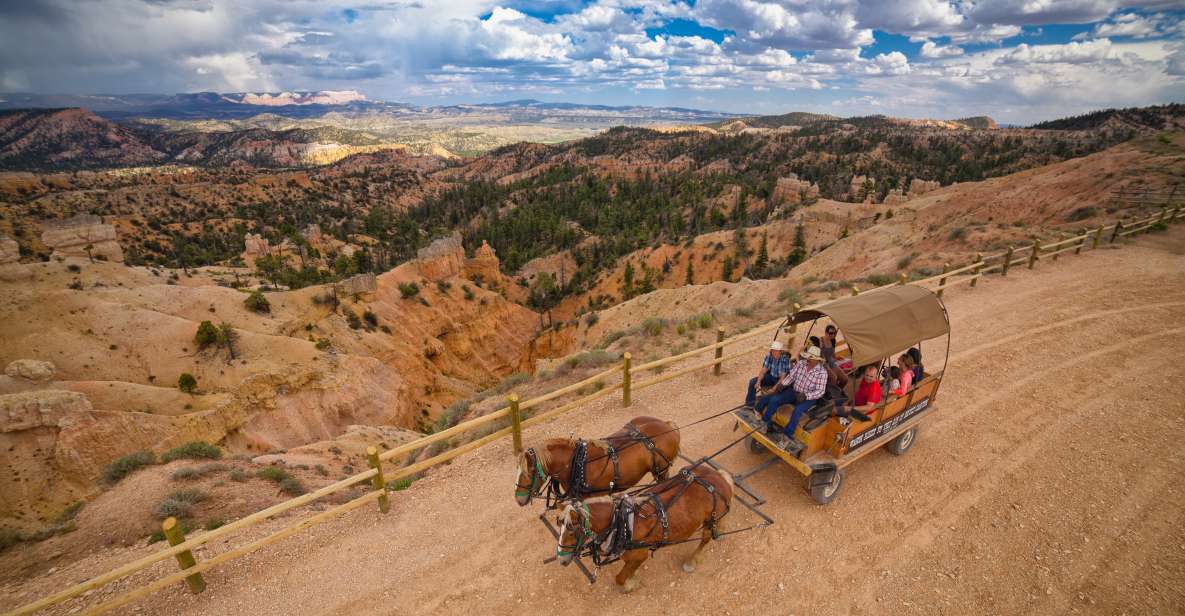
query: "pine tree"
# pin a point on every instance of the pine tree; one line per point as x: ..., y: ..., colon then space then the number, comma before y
x: 762, y: 257
x: 627, y: 281
x: 728, y: 267
x: 690, y: 272
x: 798, y: 253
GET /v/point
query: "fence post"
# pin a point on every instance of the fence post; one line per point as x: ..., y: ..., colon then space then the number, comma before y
x: 516, y: 424
x: 1036, y: 253
x: 185, y: 559
x: 903, y: 279
x: 380, y: 484
x: 625, y: 379
x: 855, y: 290
x: 1007, y: 261
x: 942, y: 281
x: 978, y: 267
x: 1097, y: 237
x: 1115, y: 233
x: 719, y: 350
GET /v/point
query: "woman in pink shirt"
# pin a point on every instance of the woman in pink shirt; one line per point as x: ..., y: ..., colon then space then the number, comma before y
x: 905, y: 362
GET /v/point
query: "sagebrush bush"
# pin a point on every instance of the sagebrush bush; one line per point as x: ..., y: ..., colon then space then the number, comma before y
x: 192, y: 449
x: 123, y: 466
x: 237, y: 474
x: 292, y: 487
x: 179, y: 504
x: 273, y: 473
x: 408, y: 289
x: 256, y: 302
x: 653, y: 326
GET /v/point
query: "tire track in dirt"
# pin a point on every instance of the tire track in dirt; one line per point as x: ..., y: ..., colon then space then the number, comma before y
x: 965, y: 492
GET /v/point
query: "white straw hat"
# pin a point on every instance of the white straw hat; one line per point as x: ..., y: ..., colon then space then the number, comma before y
x: 776, y: 345
x: 812, y: 352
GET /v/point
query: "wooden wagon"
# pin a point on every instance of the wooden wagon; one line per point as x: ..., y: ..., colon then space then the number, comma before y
x: 874, y: 326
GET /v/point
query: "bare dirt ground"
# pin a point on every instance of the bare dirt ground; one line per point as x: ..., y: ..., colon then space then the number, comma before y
x: 1050, y: 481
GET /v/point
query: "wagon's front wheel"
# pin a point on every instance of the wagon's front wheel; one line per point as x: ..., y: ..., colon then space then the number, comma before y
x: 902, y: 443
x: 826, y: 492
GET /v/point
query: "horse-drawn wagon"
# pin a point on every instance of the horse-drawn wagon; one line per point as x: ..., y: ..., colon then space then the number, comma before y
x: 831, y: 436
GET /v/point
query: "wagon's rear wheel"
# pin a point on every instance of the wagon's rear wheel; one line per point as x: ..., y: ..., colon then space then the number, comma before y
x: 755, y: 446
x: 902, y: 443
x: 826, y: 492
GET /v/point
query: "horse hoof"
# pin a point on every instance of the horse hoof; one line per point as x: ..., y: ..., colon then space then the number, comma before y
x: 688, y: 568
x: 628, y: 587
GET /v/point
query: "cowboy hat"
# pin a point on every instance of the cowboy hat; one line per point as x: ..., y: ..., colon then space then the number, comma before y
x: 812, y: 352
x: 777, y: 345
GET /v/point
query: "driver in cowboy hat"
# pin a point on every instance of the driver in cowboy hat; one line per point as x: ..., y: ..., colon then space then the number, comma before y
x: 774, y: 367
x: 802, y: 387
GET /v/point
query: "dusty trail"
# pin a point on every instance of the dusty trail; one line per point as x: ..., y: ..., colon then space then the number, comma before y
x: 1050, y: 481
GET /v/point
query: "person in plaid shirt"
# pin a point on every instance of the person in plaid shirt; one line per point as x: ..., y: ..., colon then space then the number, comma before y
x: 775, y: 366
x: 802, y: 387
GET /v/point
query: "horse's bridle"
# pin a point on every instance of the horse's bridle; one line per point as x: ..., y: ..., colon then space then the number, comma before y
x: 582, y: 534
x: 540, y: 480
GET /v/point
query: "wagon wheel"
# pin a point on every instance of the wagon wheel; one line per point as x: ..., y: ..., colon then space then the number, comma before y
x: 755, y: 445
x: 902, y: 443
x: 825, y: 493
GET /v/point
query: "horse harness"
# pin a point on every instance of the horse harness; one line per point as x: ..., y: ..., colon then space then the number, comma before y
x: 618, y: 538
x: 551, y: 489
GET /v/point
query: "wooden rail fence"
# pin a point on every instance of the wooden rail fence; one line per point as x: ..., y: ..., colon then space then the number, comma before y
x: 181, y: 548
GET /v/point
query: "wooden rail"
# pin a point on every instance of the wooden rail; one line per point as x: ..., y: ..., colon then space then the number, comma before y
x: 513, y: 413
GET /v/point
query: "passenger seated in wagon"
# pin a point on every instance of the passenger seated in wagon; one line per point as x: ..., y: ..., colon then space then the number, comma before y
x: 803, y: 386
x: 775, y: 365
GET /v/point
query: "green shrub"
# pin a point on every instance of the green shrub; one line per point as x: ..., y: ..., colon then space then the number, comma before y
x: 321, y: 470
x: 443, y: 286
x: 681, y: 329
x: 653, y: 326
x: 408, y: 289
x: 1159, y: 226
x: 197, y: 472
x: 214, y: 523
x: 789, y: 296
x: 125, y: 465
x: 179, y: 504
x: 468, y: 293
x: 1083, y: 213
x: 904, y: 262
x: 703, y: 320
x: 589, y: 359
x: 256, y: 302
x: 511, y: 382
x: 292, y: 487
x: 956, y: 234
x: 206, y: 335
x: 610, y: 338
x: 192, y: 449
x: 187, y: 383
x: 322, y: 344
x: 591, y: 319
x: 372, y: 320
x: 400, y: 484
x: 273, y: 473
x: 880, y: 280
x: 451, y: 415
x: 352, y: 319
x: 744, y: 311
x: 237, y: 474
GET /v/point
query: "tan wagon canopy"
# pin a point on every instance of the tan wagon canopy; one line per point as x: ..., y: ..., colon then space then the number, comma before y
x: 880, y: 323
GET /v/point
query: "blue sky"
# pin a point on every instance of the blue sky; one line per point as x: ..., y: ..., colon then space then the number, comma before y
x: 1016, y: 60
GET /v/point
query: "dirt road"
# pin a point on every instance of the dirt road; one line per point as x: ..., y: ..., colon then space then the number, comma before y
x: 1050, y: 481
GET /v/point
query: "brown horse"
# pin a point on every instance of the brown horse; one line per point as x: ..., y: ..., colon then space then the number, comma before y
x: 565, y: 468
x: 629, y: 527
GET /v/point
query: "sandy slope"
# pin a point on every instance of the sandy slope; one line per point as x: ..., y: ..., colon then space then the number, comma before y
x: 1050, y: 482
